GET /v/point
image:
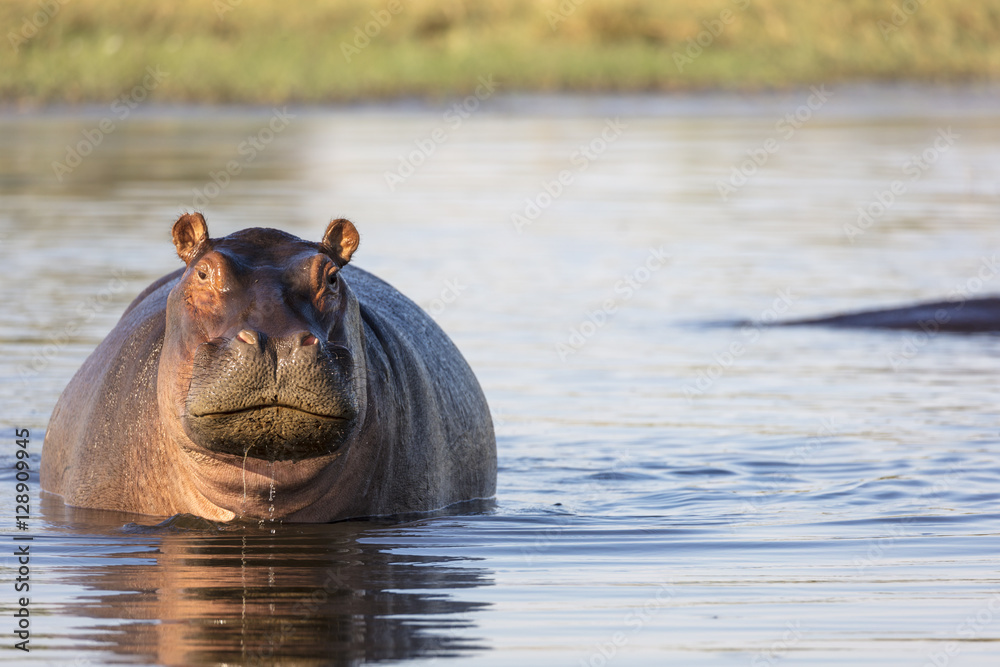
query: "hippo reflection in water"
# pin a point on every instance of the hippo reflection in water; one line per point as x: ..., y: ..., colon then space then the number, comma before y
x: 269, y: 379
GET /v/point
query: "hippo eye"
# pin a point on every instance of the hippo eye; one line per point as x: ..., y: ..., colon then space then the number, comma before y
x: 202, y: 275
x: 331, y: 277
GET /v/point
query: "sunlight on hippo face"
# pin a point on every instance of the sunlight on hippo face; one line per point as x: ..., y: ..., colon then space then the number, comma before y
x: 269, y: 333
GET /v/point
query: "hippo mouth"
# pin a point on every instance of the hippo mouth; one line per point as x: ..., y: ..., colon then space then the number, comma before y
x: 274, y: 406
x: 272, y: 432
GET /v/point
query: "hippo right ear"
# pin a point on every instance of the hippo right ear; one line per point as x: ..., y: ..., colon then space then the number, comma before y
x: 340, y: 241
x: 190, y: 233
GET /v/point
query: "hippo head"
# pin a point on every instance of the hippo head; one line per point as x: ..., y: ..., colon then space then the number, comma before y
x: 260, y: 357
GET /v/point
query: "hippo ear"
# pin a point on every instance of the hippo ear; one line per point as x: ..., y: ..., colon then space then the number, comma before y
x: 190, y: 233
x: 340, y: 241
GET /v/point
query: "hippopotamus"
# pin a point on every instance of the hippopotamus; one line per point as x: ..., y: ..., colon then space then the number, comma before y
x: 268, y: 379
x: 980, y: 315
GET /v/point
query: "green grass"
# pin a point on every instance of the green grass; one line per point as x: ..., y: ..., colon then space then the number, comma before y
x: 271, y: 52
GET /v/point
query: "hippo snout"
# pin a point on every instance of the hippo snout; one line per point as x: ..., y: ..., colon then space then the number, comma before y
x: 276, y: 398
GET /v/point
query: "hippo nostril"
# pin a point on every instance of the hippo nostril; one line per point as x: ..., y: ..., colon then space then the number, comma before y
x: 247, y: 336
x: 309, y: 339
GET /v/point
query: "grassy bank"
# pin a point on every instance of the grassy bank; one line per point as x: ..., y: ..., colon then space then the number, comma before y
x: 268, y: 51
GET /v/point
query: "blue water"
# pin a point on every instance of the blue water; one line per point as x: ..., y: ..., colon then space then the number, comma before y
x: 673, y: 488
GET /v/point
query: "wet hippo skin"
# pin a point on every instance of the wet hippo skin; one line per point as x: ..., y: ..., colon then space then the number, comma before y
x: 269, y: 379
x: 968, y: 316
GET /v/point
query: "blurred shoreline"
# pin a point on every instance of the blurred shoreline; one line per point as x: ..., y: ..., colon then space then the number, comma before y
x: 346, y: 51
x: 869, y: 100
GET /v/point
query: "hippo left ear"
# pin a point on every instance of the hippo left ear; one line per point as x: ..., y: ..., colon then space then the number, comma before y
x: 190, y: 233
x: 340, y: 241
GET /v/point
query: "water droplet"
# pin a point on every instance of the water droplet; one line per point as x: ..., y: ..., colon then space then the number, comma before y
x: 271, y: 493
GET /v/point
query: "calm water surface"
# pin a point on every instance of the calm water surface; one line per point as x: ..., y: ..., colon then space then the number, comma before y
x: 674, y: 488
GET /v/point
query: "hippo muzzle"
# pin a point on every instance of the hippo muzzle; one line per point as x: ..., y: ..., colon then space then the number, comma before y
x: 277, y: 399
